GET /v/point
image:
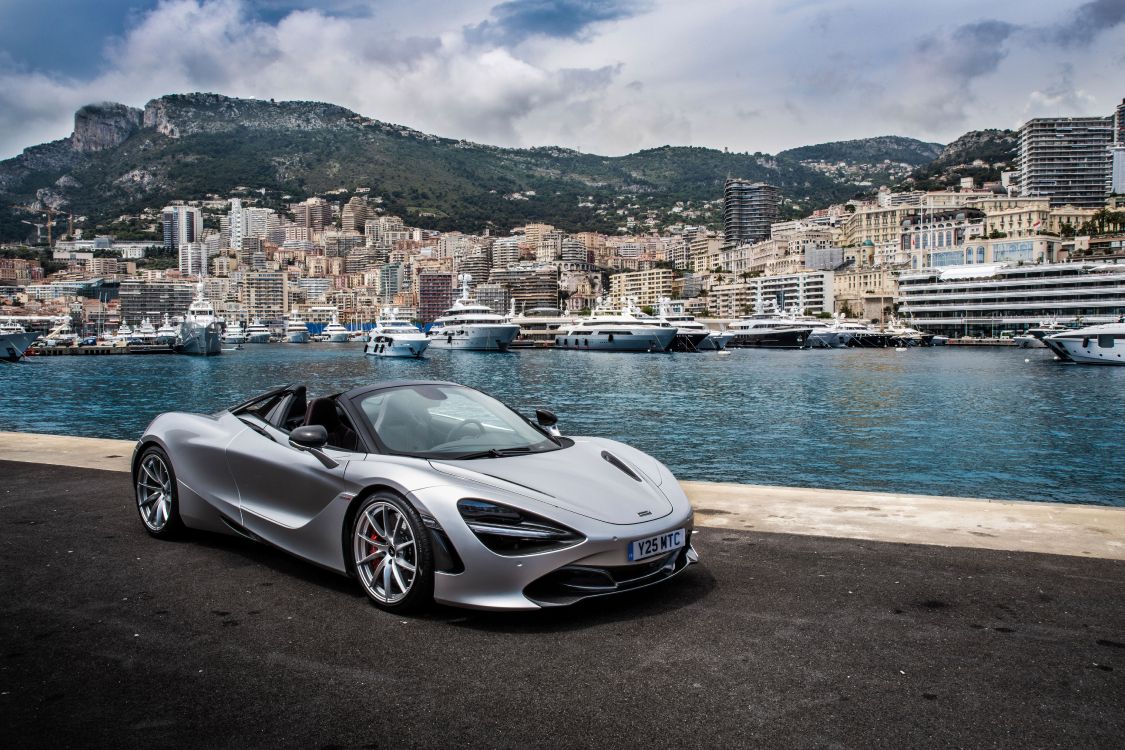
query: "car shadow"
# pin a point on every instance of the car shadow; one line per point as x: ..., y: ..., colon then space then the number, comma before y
x: 685, y: 590
x: 275, y: 559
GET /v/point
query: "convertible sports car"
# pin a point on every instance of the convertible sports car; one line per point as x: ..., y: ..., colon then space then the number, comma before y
x: 422, y: 491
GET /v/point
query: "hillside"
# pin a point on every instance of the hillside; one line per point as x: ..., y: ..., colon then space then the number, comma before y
x: 994, y: 150
x: 121, y: 160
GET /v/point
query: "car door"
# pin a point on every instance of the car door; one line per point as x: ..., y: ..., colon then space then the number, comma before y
x: 280, y: 487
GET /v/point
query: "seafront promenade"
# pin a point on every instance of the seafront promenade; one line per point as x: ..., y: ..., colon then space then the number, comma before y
x: 816, y: 619
x: 1053, y: 528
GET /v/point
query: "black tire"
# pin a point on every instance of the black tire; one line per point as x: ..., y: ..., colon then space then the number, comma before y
x: 158, y: 500
x: 380, y: 559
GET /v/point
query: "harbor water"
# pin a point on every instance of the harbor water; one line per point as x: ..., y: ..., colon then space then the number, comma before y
x: 941, y: 421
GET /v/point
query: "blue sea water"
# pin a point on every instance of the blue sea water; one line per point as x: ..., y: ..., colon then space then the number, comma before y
x: 943, y: 421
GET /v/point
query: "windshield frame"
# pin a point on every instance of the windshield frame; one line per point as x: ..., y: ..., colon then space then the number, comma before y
x: 550, y: 442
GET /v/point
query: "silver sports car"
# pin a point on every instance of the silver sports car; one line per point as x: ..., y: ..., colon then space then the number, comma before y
x: 422, y: 491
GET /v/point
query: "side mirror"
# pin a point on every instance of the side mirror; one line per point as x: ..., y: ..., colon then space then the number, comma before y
x: 545, y: 418
x: 309, y: 436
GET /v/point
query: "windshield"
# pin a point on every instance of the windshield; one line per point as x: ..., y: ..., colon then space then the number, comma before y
x: 449, y: 421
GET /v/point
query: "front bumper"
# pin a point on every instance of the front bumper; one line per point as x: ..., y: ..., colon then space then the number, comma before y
x: 597, y: 566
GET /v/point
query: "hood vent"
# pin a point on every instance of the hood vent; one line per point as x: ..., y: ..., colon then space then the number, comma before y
x: 617, y: 462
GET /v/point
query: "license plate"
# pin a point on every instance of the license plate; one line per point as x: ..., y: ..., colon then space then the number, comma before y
x: 641, y: 549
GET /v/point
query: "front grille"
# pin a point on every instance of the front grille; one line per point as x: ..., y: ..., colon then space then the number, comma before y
x: 574, y: 582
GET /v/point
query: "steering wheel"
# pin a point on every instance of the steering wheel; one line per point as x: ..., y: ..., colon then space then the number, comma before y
x: 455, y: 433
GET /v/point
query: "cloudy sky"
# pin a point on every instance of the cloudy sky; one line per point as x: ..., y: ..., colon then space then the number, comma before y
x: 607, y: 76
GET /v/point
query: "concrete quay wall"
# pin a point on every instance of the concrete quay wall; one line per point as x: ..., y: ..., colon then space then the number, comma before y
x: 1050, y: 528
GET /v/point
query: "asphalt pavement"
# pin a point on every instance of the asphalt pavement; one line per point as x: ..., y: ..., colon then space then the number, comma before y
x: 112, y: 638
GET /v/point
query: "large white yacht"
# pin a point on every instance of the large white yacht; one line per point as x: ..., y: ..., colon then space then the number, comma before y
x: 146, y: 333
x: 538, y: 325
x: 61, y: 335
x: 625, y: 331
x: 690, y: 333
x: 472, y: 326
x: 296, y: 332
x: 1033, y: 337
x: 257, y: 333
x: 235, y: 333
x: 902, y: 334
x: 166, y: 332
x: 770, y: 329
x: 14, y: 341
x: 201, y: 332
x: 394, y: 337
x: 336, y: 333
x: 1102, y: 344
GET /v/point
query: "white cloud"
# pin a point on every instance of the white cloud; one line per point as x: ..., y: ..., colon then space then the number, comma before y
x: 678, y: 73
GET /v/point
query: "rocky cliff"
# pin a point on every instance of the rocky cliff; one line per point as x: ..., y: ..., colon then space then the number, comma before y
x: 98, y: 127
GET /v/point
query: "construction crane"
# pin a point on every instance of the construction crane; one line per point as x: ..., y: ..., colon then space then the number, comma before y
x: 51, y: 214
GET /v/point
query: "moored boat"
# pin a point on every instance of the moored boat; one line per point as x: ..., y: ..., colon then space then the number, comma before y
x: 471, y: 326
x: 393, y: 337
x: 1102, y: 344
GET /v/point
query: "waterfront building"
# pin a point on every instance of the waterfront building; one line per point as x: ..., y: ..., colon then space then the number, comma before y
x: 986, y: 299
x: 154, y: 299
x: 529, y: 284
x: 642, y: 287
x: 265, y: 295
x: 314, y: 287
x: 1065, y: 159
x: 749, y: 208
x: 810, y: 291
x: 181, y: 225
x: 864, y: 292
x: 495, y: 297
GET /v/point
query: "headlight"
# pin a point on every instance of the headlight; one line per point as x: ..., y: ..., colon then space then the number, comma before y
x: 507, y: 531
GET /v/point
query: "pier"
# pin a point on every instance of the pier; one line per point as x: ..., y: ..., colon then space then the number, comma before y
x: 817, y: 618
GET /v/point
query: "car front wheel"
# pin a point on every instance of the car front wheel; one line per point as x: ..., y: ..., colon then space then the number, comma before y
x: 157, y: 500
x: 391, y: 554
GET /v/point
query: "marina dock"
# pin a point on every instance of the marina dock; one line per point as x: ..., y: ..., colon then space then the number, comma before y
x: 1052, y: 528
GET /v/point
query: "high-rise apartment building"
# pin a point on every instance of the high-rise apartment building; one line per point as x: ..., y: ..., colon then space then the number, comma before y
x: 506, y: 251
x: 182, y: 224
x: 748, y: 210
x: 154, y: 299
x: 314, y: 214
x: 265, y: 295
x: 435, y: 294
x: 1119, y: 124
x: 193, y: 259
x: 355, y: 214
x: 1066, y: 159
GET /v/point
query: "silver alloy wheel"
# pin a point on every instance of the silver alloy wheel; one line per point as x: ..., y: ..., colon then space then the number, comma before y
x: 154, y: 492
x: 385, y: 555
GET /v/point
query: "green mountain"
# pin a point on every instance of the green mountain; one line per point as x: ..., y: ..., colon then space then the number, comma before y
x: 121, y: 160
x: 980, y: 154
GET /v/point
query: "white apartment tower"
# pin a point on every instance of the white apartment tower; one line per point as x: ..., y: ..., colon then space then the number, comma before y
x: 1066, y: 159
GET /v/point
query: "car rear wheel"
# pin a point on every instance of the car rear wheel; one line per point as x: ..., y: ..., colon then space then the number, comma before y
x: 157, y: 500
x: 391, y: 554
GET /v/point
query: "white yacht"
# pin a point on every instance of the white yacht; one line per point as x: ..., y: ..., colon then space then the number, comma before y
x: 167, y: 332
x: 471, y: 326
x: 625, y: 331
x: 124, y: 332
x: 854, y: 333
x: 61, y: 335
x: 14, y: 341
x: 201, y: 332
x: 393, y: 337
x: 257, y: 333
x: 770, y: 329
x: 538, y: 325
x: 296, y: 332
x: 1033, y: 337
x: 904, y: 335
x: 1102, y: 344
x: 235, y: 333
x: 690, y: 333
x: 336, y: 333
x: 146, y: 333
